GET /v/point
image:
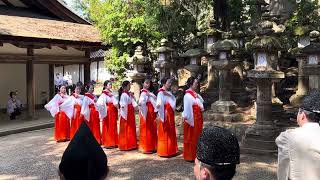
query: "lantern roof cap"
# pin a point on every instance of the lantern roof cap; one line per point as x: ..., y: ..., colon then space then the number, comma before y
x: 196, y: 52
x: 138, y: 56
x: 164, y: 47
x: 314, y: 46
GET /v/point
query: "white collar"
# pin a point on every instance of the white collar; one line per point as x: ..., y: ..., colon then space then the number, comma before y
x: 310, y: 124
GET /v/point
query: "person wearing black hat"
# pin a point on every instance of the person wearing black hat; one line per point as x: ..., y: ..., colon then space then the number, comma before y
x: 218, y: 153
x: 83, y: 159
x: 299, y: 148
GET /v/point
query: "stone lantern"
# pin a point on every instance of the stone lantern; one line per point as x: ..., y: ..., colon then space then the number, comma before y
x: 193, y: 67
x: 211, y: 35
x: 139, y: 63
x: 312, y: 67
x: 260, y: 137
x: 164, y: 62
x: 303, y: 80
x: 224, y: 108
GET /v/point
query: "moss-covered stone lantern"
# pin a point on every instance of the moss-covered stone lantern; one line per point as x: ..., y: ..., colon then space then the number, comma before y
x: 260, y: 137
x: 139, y: 63
x: 312, y: 67
x: 164, y: 62
x: 224, y: 108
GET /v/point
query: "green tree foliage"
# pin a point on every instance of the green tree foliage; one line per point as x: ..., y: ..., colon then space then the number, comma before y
x: 125, y: 24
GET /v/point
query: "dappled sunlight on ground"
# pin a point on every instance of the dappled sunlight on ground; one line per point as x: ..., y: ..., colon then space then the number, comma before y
x: 35, y: 155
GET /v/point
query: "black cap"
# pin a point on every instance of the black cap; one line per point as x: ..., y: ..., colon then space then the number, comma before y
x: 83, y: 158
x: 218, y: 146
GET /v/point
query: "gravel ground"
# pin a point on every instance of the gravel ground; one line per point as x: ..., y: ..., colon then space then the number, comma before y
x: 35, y: 155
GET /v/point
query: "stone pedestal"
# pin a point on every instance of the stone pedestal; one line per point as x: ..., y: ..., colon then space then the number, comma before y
x: 224, y: 109
x: 137, y: 82
x: 260, y: 138
x: 303, y: 84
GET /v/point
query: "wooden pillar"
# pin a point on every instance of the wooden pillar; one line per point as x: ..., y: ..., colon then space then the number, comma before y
x: 79, y: 73
x: 97, y: 71
x: 30, y: 84
x: 51, y: 81
x: 86, y: 68
x: 86, y: 73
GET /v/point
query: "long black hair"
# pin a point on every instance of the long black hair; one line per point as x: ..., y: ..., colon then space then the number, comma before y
x: 123, y: 85
x: 106, y: 82
x: 189, y: 83
x: 163, y: 81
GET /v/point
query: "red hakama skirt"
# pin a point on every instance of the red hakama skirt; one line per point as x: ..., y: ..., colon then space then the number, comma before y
x: 148, y: 131
x: 128, y: 135
x: 62, y: 127
x: 167, y: 139
x: 76, y: 120
x: 109, y: 127
x: 192, y: 134
x: 94, y: 123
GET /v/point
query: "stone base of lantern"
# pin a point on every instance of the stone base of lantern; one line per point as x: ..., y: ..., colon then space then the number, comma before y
x: 260, y: 139
x: 224, y: 111
x: 226, y: 107
x: 234, y: 117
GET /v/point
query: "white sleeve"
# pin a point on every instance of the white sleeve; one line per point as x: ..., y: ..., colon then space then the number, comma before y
x: 172, y: 101
x: 10, y: 107
x: 124, y: 99
x: 68, y: 106
x: 200, y: 102
x: 282, y: 142
x: 142, y: 104
x: 85, y: 110
x: 160, y: 103
x: 53, y: 105
x: 101, y: 106
x: 187, y: 113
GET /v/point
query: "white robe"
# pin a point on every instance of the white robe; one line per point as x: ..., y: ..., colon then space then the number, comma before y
x: 85, y: 110
x: 188, y: 102
x: 164, y: 99
x: 125, y: 100
x: 299, y: 153
x: 66, y: 105
x: 144, y: 98
x: 101, y: 104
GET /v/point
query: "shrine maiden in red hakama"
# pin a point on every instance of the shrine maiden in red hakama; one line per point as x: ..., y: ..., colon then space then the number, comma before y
x: 193, y: 123
x: 61, y: 108
x: 127, y: 134
x: 148, y: 124
x: 77, y: 118
x: 108, y: 111
x: 167, y: 140
x: 91, y: 115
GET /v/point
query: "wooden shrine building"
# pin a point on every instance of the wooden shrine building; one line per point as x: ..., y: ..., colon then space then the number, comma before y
x: 36, y: 35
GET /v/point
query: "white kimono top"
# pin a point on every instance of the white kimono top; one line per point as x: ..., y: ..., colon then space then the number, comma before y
x: 60, y: 103
x: 88, y: 99
x: 125, y: 99
x: 101, y: 105
x: 191, y: 98
x: 146, y: 96
x: 299, y: 153
x: 162, y: 100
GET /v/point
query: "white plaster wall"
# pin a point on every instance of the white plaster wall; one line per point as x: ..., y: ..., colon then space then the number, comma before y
x: 57, y: 51
x: 13, y: 77
x: 11, y: 49
x: 93, y: 71
x: 41, y: 75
